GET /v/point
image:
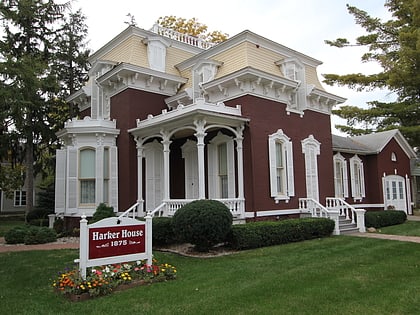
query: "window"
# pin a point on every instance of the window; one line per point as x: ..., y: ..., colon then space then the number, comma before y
x: 281, y: 166
x: 87, y: 176
x: 357, y: 178
x: 20, y: 198
x: 221, y: 167
x: 311, y: 150
x: 393, y: 157
x: 340, y: 176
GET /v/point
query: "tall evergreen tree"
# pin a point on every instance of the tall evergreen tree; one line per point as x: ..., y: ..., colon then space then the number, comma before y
x: 43, y: 59
x: 395, y: 46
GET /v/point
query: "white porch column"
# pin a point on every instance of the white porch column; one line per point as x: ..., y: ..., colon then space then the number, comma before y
x: 239, y: 153
x: 200, y: 134
x: 139, y: 146
x: 166, y: 179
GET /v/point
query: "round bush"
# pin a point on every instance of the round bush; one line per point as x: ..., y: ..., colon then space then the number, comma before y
x: 203, y: 223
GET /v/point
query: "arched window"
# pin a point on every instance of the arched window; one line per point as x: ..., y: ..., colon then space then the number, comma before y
x: 87, y: 176
x: 311, y: 150
x: 340, y: 177
x: 357, y: 178
x: 281, y: 166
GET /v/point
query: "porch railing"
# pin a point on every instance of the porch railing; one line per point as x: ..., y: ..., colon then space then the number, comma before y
x: 132, y: 211
x: 169, y: 207
x: 357, y: 216
x: 318, y: 210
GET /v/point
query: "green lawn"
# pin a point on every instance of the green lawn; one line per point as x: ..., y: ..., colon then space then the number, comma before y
x: 409, y: 228
x: 336, y: 275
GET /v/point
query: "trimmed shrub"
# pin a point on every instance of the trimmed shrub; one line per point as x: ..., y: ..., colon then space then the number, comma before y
x: 268, y: 233
x: 16, y: 235
x: 163, y: 233
x: 40, y: 235
x: 203, y: 223
x: 379, y: 219
x: 102, y: 211
x: 30, y: 235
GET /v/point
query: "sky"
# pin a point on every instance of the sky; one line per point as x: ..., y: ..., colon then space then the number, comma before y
x: 302, y: 25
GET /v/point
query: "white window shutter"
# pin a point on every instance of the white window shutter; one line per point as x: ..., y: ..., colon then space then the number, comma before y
x: 72, y: 184
x: 290, y: 169
x: 113, y: 179
x: 272, y: 158
x: 60, y: 181
x: 345, y: 180
x: 362, y: 180
x: 353, y: 183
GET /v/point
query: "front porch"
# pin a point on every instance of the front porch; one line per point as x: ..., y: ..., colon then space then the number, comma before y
x: 191, y: 152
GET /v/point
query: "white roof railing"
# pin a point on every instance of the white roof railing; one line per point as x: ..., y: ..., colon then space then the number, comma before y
x: 183, y: 38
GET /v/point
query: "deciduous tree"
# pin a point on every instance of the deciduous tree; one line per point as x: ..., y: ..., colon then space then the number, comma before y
x: 192, y: 27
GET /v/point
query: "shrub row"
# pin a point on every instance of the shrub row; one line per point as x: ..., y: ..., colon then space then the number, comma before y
x: 267, y: 233
x: 30, y: 235
x: 379, y: 219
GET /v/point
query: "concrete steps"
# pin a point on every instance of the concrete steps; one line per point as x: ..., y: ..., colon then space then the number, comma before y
x: 346, y: 227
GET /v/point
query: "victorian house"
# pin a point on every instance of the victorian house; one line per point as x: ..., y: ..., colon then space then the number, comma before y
x: 166, y: 118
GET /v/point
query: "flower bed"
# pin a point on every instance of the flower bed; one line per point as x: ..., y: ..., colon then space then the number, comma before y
x: 102, y: 280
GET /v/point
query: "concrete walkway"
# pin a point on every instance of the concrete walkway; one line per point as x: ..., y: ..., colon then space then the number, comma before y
x: 414, y: 239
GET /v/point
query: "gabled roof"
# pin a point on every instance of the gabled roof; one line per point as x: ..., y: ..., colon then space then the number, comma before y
x: 372, y: 143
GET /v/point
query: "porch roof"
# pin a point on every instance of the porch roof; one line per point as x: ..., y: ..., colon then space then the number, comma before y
x: 183, y: 118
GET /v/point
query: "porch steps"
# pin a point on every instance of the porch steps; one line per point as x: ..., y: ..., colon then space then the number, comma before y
x: 346, y: 227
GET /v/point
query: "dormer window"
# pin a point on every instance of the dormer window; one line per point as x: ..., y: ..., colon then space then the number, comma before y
x: 203, y: 72
x: 293, y: 69
x: 156, y: 53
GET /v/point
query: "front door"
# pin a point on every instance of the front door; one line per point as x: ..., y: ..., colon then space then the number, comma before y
x: 395, y: 193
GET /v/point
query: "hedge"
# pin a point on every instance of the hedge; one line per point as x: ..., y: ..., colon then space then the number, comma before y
x: 30, y: 235
x: 379, y: 219
x: 268, y: 233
